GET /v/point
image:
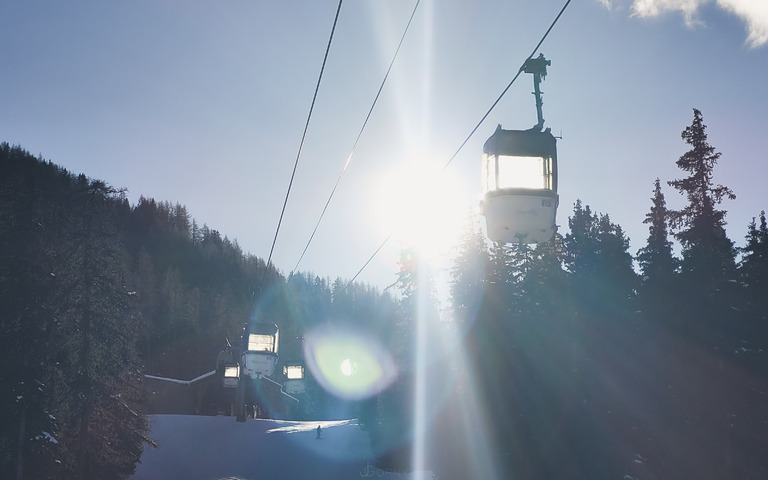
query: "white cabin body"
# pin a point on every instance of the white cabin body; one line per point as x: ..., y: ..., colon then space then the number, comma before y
x: 519, y: 184
x: 259, y: 350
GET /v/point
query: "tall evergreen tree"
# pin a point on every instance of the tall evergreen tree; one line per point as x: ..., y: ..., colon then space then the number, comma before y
x: 545, y: 291
x: 596, y: 255
x: 581, y: 245
x: 27, y: 319
x: 101, y: 425
x: 708, y: 255
x: 753, y: 268
x: 419, y: 301
x: 657, y: 262
x: 468, y: 273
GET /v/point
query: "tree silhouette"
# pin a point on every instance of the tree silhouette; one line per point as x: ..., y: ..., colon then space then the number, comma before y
x: 596, y: 255
x: 657, y: 263
x: 69, y: 327
x: 708, y: 266
x: 753, y: 268
x: 708, y: 254
x: 468, y: 273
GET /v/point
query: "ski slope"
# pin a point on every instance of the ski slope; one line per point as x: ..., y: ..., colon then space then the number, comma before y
x: 219, y: 448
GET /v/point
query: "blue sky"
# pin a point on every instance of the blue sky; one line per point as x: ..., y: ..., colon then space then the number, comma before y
x: 204, y: 103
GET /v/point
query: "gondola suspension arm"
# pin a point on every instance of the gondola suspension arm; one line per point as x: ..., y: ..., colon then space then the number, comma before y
x: 538, y: 67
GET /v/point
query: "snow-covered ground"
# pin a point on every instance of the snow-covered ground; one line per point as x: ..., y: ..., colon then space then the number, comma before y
x: 219, y: 448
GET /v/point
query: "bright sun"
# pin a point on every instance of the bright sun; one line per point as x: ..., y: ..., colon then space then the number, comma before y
x: 425, y: 207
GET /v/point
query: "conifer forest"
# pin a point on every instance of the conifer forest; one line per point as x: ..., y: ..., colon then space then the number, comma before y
x: 586, y: 360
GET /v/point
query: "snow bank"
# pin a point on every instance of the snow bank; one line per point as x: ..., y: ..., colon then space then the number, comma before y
x: 219, y: 448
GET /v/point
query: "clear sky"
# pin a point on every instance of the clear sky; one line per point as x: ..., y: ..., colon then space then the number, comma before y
x: 204, y: 103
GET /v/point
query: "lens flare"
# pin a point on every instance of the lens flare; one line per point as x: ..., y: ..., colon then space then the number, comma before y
x: 346, y: 367
x: 348, y: 364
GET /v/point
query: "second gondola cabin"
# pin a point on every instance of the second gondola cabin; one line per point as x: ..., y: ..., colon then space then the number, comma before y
x: 294, y: 379
x: 519, y: 186
x: 259, y: 350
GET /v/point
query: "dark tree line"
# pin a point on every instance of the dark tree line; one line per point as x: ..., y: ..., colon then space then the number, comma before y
x: 71, y: 384
x: 591, y: 369
x: 95, y: 293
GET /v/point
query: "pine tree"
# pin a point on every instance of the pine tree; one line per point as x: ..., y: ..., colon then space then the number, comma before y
x: 28, y: 423
x: 419, y: 301
x: 656, y: 260
x: 708, y: 255
x: 657, y: 263
x: 545, y: 291
x: 753, y: 267
x: 102, y: 428
x: 468, y: 273
x: 596, y: 255
x: 581, y: 243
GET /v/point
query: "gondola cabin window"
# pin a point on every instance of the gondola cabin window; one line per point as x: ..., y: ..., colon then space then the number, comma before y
x: 294, y: 372
x: 262, y: 343
x: 506, y: 171
x: 231, y: 376
x: 232, y: 371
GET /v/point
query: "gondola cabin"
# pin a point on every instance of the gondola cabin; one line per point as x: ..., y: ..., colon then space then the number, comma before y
x: 519, y: 186
x: 294, y: 379
x: 259, y: 350
x: 227, y: 369
x: 231, y: 376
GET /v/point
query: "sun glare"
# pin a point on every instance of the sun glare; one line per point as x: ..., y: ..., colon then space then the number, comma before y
x: 424, y: 207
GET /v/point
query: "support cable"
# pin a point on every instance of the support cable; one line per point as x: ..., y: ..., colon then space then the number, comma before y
x: 304, y: 135
x: 360, y: 134
x: 552, y: 25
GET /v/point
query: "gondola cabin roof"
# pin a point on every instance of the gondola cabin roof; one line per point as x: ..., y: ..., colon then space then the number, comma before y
x: 260, y: 328
x: 522, y: 143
